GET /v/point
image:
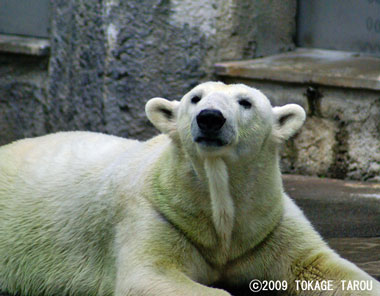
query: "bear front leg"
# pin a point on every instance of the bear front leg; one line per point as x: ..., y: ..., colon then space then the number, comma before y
x: 322, y: 272
x: 309, y: 265
x: 296, y: 254
x: 154, y: 259
x: 146, y: 281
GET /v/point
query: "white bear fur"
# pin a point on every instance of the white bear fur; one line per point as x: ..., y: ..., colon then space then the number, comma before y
x: 86, y: 213
x: 221, y: 200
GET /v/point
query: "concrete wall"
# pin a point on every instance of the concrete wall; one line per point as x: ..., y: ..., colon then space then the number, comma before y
x: 109, y: 57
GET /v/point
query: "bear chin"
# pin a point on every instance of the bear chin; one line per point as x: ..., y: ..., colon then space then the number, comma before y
x: 210, y: 142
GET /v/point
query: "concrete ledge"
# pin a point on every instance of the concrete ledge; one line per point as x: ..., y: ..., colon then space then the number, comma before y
x: 24, y: 45
x: 324, y: 67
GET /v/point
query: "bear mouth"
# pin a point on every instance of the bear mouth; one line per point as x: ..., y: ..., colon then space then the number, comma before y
x: 210, y: 141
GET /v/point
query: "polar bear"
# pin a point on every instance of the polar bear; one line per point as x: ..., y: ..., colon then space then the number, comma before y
x: 90, y: 214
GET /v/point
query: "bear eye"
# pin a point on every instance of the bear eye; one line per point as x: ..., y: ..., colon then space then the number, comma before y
x: 195, y: 99
x: 245, y: 103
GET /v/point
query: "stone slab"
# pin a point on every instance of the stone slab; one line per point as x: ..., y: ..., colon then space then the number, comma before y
x: 325, y: 67
x: 24, y: 45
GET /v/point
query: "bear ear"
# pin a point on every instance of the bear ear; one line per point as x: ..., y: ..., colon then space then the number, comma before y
x: 288, y: 120
x: 162, y: 114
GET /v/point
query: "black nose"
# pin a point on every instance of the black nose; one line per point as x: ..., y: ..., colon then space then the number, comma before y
x: 210, y: 120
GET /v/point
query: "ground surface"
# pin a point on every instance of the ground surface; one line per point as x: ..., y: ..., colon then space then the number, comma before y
x: 346, y: 213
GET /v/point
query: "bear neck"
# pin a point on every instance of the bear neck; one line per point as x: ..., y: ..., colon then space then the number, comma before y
x: 207, y: 199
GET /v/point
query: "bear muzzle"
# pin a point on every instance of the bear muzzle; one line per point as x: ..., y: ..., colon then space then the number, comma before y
x: 210, y: 120
x: 208, y: 128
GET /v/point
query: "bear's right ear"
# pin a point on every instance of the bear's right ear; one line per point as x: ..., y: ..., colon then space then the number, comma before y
x: 162, y: 114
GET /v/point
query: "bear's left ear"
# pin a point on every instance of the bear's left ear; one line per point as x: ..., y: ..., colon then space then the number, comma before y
x: 288, y: 120
x: 162, y: 114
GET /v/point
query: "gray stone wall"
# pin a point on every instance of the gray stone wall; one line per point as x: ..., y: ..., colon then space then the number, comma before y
x: 109, y: 57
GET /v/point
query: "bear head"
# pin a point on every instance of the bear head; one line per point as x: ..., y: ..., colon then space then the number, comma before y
x: 215, y: 119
